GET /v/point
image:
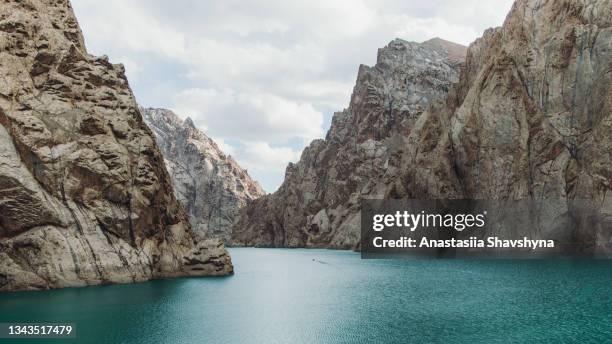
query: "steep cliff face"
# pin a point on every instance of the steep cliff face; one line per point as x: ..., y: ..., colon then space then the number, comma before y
x: 210, y: 185
x: 84, y: 195
x: 533, y: 119
x: 318, y: 203
x: 530, y: 118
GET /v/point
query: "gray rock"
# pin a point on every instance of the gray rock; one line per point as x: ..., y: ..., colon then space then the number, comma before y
x: 210, y: 184
x: 84, y: 195
x: 318, y: 203
x: 529, y: 118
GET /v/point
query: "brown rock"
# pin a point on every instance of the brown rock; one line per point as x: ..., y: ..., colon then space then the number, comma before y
x: 318, y: 203
x: 84, y: 194
x: 529, y: 118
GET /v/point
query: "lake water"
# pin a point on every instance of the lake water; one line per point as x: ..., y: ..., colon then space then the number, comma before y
x: 324, y: 296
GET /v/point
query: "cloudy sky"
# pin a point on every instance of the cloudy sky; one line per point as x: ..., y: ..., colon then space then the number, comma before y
x: 263, y: 77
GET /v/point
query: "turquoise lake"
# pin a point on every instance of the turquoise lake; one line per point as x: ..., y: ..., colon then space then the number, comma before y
x: 325, y: 296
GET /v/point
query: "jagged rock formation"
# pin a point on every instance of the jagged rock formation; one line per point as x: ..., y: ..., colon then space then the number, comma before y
x: 210, y: 184
x: 530, y: 118
x: 455, y: 52
x: 84, y: 195
x: 318, y: 203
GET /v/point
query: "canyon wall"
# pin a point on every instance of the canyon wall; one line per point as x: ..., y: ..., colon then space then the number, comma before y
x: 84, y: 195
x: 529, y: 118
x: 318, y: 203
x: 210, y: 184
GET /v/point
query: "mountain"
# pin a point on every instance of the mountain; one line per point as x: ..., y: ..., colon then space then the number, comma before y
x: 84, y: 195
x: 210, y: 184
x: 453, y: 51
x: 529, y: 118
x: 319, y: 201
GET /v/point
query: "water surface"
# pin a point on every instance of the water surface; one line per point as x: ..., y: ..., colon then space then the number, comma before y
x: 324, y: 296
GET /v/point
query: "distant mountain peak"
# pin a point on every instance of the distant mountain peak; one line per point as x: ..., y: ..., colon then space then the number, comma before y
x: 210, y: 184
x: 318, y: 203
x: 453, y: 50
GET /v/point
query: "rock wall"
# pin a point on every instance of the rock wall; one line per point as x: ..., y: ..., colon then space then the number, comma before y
x: 529, y: 118
x: 84, y: 195
x: 210, y: 185
x: 318, y: 203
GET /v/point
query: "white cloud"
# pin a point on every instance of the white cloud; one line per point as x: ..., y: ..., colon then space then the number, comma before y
x: 260, y: 156
x: 324, y: 92
x: 265, y: 163
x: 421, y: 29
x: 262, y: 71
x: 249, y: 116
x: 123, y: 25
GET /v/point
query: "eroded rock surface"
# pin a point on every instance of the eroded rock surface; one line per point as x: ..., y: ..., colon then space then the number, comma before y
x: 318, y: 203
x: 84, y: 195
x: 530, y: 118
x: 209, y: 183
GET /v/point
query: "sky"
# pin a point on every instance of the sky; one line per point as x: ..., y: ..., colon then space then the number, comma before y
x: 264, y: 77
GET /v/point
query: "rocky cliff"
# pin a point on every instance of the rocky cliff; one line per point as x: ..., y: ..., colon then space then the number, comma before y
x: 84, y: 195
x: 529, y: 118
x: 210, y: 184
x: 318, y: 203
